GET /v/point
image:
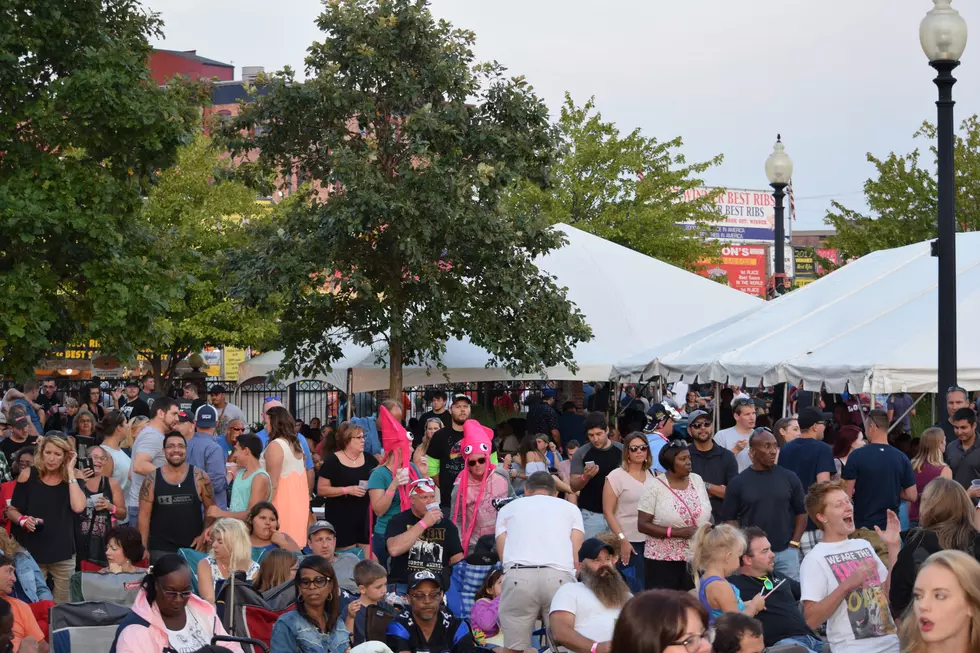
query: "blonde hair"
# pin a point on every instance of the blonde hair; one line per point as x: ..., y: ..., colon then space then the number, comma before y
x: 54, y: 441
x: 235, y: 537
x: 711, y: 542
x: 929, y: 452
x: 946, y: 510
x: 966, y: 569
x: 134, y: 426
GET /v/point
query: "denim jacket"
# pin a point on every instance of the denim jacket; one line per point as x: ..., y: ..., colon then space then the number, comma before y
x: 30, y: 586
x: 293, y: 633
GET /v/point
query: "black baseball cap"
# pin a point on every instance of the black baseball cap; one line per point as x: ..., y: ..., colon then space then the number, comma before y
x: 810, y: 416
x: 218, y: 390
x: 185, y: 417
x: 420, y: 577
x: 132, y: 383
x: 592, y: 547
x: 462, y: 397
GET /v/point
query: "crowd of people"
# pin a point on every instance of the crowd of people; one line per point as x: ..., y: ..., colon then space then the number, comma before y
x: 665, y: 530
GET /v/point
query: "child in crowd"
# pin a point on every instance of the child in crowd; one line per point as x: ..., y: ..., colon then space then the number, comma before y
x: 484, y: 614
x: 372, y: 582
x: 718, y: 551
x: 736, y: 632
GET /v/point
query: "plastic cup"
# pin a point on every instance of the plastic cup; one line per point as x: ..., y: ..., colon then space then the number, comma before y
x: 363, y: 484
x: 319, y: 513
x: 975, y: 482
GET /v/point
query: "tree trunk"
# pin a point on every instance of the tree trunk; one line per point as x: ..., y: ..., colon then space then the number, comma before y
x: 395, y: 371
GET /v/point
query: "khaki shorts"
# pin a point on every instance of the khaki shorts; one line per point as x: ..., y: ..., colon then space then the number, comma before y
x: 526, y: 597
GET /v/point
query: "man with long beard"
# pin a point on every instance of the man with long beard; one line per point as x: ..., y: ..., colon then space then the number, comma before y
x: 583, y: 614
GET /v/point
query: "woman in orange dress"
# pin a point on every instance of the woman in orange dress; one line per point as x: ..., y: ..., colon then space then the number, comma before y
x: 285, y: 465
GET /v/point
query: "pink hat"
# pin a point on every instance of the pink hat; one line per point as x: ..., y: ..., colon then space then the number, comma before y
x: 477, y: 439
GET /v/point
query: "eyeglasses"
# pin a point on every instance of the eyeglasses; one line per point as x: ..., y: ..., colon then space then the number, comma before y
x: 700, y: 425
x: 692, y: 644
x: 425, y: 598
x: 174, y: 595
x: 956, y: 388
x: 676, y: 443
x: 738, y: 403
x: 476, y: 461
x: 639, y: 447
x: 237, y: 429
x: 319, y: 581
x: 175, y: 447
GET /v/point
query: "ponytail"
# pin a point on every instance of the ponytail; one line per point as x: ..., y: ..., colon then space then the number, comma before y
x: 710, y: 542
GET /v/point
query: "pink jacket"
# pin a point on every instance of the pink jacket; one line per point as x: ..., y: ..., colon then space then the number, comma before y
x: 485, y: 616
x: 144, y: 631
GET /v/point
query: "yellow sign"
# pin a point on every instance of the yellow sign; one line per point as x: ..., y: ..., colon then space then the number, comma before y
x: 233, y: 356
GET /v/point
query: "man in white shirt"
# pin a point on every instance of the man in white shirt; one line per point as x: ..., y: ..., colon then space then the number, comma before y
x: 842, y: 581
x: 538, y: 540
x: 583, y: 614
x: 736, y: 438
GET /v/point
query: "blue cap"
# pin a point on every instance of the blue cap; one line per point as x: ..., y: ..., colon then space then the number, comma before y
x: 549, y: 392
x: 207, y: 417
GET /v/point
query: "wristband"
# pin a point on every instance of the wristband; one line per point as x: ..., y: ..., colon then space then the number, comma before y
x: 422, y: 524
x: 112, y: 509
x: 668, y: 531
x: 390, y: 493
x: 22, y: 521
x: 595, y: 645
x: 345, y: 489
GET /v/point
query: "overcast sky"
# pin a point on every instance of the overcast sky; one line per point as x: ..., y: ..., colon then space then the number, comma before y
x: 838, y: 78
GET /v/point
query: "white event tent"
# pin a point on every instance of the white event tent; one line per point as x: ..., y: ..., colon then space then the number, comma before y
x: 631, y: 301
x: 870, y: 324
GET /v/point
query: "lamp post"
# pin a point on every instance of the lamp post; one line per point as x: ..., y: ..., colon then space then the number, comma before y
x: 942, y: 34
x: 779, y: 170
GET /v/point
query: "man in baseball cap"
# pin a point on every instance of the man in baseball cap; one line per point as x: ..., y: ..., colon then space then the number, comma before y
x: 444, y: 447
x: 583, y: 614
x: 715, y: 464
x: 543, y: 418
x: 202, y: 450
x: 19, y: 424
x: 321, y: 540
x: 660, y: 429
x: 447, y: 633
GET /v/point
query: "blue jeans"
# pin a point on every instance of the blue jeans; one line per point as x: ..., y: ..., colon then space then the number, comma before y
x: 594, y: 522
x: 812, y: 644
x: 634, y: 573
x: 788, y: 563
x: 380, y: 549
x: 134, y: 515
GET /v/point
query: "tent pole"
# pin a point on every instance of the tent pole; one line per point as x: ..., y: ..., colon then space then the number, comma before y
x: 350, y: 392
x: 716, y: 418
x: 902, y: 416
x: 785, y: 392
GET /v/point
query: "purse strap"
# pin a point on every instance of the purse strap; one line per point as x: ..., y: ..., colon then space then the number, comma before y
x: 694, y: 521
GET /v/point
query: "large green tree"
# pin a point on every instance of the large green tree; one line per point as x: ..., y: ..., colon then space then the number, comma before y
x: 624, y: 188
x: 902, y: 198
x: 83, y: 129
x: 407, y: 145
x: 194, y: 216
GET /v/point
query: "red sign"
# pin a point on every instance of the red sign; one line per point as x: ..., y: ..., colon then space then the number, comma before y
x: 831, y: 255
x: 744, y: 267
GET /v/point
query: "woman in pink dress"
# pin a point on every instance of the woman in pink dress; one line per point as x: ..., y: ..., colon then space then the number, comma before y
x: 285, y: 465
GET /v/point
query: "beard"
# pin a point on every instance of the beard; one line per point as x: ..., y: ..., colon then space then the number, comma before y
x: 607, y: 585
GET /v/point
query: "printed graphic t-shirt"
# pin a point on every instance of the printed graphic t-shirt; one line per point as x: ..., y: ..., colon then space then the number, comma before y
x: 862, y: 623
x: 431, y: 552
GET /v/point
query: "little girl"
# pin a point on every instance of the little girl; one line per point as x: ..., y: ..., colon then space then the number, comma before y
x: 484, y: 614
x: 718, y: 551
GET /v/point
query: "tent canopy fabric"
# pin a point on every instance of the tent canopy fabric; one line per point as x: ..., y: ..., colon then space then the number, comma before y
x: 869, y: 326
x: 612, y: 285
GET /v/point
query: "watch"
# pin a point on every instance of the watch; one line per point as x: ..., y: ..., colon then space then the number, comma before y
x: 621, y: 536
x: 793, y: 544
x: 707, y: 486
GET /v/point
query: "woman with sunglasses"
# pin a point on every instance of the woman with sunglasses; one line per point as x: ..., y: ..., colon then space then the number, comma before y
x: 168, y: 615
x: 478, y: 487
x: 680, y: 624
x: 621, y: 493
x: 343, y: 482
x: 670, y: 512
x: 313, y: 627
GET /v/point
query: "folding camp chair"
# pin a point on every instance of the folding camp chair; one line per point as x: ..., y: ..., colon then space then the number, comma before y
x: 87, y: 627
x: 112, y: 588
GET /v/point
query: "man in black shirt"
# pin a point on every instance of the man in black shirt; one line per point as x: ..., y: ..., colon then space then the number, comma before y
x: 542, y: 418
x: 770, y: 497
x: 782, y: 621
x: 49, y: 401
x: 192, y: 400
x: 438, y: 410
x: 963, y: 454
x: 426, y: 625
x: 421, y: 539
x: 18, y: 421
x: 956, y: 398
x: 134, y: 406
x: 714, y: 463
x: 590, y: 466
x: 444, y: 447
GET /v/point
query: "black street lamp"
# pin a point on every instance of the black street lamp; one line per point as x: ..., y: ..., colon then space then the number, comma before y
x: 942, y: 34
x: 779, y: 170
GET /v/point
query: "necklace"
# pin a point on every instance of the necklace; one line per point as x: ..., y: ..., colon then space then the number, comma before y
x: 347, y: 455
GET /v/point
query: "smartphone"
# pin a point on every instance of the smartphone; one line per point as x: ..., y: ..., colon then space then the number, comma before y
x: 85, y: 463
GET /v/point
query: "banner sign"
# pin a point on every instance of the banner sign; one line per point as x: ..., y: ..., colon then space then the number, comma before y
x: 744, y: 215
x: 744, y: 267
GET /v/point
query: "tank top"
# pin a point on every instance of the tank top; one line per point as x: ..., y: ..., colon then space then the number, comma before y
x: 241, y: 490
x: 176, y: 518
x: 702, y: 595
x: 922, y: 478
x: 94, y: 524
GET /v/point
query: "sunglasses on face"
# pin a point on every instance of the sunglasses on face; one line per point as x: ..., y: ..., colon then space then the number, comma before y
x: 639, y: 447
x: 476, y: 461
x: 700, y: 425
x: 267, y: 399
x: 319, y: 581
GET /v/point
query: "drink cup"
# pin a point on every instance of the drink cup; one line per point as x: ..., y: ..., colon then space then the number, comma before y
x: 363, y: 484
x: 38, y: 525
x: 432, y: 506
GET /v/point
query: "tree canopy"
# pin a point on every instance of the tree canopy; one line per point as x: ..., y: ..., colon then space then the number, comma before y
x: 83, y: 129
x: 903, y: 197
x: 399, y: 235
x: 626, y: 189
